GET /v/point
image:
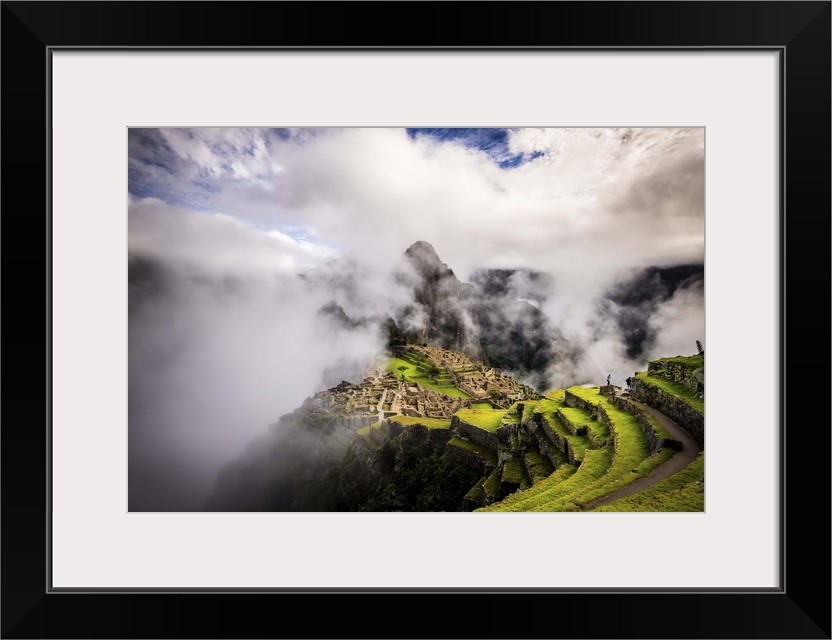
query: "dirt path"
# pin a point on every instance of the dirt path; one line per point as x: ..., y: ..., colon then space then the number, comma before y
x: 681, y: 459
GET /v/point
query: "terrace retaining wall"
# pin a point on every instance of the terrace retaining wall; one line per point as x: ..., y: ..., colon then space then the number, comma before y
x: 561, y: 443
x: 466, y: 457
x: 572, y: 400
x: 547, y: 448
x: 657, y: 443
x: 679, y: 410
x: 692, y: 378
x: 472, y: 432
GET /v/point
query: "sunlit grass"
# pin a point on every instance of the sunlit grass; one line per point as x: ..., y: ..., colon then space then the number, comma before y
x: 631, y: 449
x: 578, y: 444
x: 514, y: 501
x: 430, y: 423
x: 489, y: 420
x: 539, y: 466
x: 683, y: 491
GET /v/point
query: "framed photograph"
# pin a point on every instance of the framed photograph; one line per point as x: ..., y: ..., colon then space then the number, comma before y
x: 235, y: 210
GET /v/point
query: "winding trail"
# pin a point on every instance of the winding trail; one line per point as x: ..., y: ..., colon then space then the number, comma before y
x: 681, y: 459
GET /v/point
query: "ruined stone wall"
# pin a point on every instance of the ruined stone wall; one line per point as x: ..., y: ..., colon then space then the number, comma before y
x: 574, y: 429
x: 657, y: 443
x: 546, y: 448
x: 680, y: 411
x: 603, y: 417
x: 574, y: 401
x: 561, y: 443
x: 690, y: 378
x: 471, y: 432
x: 467, y: 457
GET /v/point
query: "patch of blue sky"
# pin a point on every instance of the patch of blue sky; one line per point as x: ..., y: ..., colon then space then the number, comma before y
x: 492, y: 141
x: 298, y: 135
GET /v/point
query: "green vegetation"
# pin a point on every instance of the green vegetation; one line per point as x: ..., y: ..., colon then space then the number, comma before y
x: 592, y: 469
x: 489, y: 420
x: 631, y: 449
x: 539, y: 466
x: 407, y: 368
x: 580, y: 417
x: 674, y: 388
x: 394, y: 466
x: 684, y: 491
x: 492, y: 485
x: 375, y: 434
x: 657, y: 426
x: 578, y: 444
x: 514, y: 471
x: 418, y: 373
x: 608, y: 457
x: 689, y: 362
x: 528, y: 409
x: 476, y: 494
x: 430, y: 423
x: 650, y: 463
x: 548, y: 405
x: 490, y: 454
x: 563, y: 482
x: 365, y: 431
x: 512, y: 503
x: 590, y: 394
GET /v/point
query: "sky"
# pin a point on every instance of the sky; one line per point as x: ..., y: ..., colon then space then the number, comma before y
x: 251, y: 231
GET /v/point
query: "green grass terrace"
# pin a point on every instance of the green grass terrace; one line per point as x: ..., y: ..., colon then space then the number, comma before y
x: 551, y: 493
x: 682, y: 492
x: 631, y: 449
x: 430, y: 423
x: 489, y: 419
x: 581, y: 417
x: 590, y: 394
x: 578, y: 444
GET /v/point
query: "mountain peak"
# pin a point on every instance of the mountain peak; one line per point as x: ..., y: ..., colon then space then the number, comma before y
x: 423, y: 250
x: 427, y: 262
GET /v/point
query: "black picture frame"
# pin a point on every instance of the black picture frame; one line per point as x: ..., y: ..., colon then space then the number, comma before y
x: 799, y: 31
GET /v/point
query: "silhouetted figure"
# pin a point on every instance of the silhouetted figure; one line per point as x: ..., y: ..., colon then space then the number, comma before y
x: 629, y: 382
x: 609, y: 375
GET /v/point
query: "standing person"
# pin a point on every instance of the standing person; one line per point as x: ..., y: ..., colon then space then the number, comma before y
x: 628, y: 381
x: 609, y: 375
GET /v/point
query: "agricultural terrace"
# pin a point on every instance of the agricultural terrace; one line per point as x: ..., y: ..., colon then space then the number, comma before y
x: 430, y: 423
x: 684, y: 491
x: 631, y: 449
x: 487, y: 419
